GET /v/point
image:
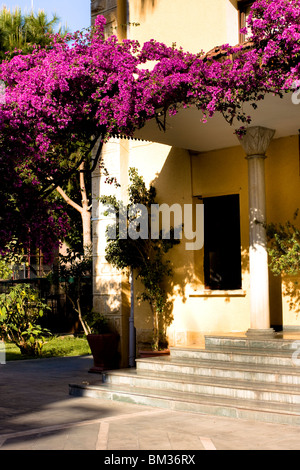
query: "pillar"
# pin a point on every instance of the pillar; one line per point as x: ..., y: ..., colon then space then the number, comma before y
x: 255, y: 143
x: 111, y: 289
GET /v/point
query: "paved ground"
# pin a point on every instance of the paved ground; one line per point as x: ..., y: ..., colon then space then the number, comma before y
x: 37, y: 413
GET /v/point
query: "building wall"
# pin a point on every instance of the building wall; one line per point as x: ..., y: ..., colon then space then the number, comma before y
x: 212, y: 22
x: 179, y: 177
x: 111, y: 288
x: 283, y: 195
x: 107, y: 8
x: 197, y: 25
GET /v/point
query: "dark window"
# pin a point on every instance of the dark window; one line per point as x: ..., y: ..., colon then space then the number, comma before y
x: 244, y: 10
x: 222, y: 243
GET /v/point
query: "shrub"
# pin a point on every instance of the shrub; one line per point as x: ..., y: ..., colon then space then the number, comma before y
x: 20, y: 310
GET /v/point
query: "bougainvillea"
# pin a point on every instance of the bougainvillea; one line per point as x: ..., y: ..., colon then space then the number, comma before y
x: 62, y: 100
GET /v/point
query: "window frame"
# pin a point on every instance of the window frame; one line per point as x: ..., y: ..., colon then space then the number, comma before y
x: 242, y: 9
x: 237, y: 278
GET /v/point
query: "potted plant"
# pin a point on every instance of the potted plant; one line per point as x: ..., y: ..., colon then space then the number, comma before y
x: 145, y: 256
x: 152, y: 274
x: 74, y: 275
x: 103, y: 342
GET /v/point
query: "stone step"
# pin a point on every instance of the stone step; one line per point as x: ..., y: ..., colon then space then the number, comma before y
x: 239, y: 377
x: 217, y: 369
x: 189, y: 402
x: 251, y: 343
x: 283, y: 358
x: 200, y: 385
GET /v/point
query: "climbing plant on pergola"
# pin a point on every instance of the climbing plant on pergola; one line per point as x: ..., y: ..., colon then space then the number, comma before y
x: 66, y: 99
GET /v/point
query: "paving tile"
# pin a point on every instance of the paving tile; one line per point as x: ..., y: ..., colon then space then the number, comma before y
x: 49, y: 441
x: 34, y: 399
x: 183, y: 441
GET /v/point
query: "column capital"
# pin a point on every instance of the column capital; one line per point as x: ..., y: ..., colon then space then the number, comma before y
x: 256, y: 140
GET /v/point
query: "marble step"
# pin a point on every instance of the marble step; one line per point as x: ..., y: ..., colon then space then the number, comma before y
x: 246, y: 371
x: 276, y: 343
x: 241, y: 381
x: 203, y: 385
x: 271, y: 412
x: 281, y: 358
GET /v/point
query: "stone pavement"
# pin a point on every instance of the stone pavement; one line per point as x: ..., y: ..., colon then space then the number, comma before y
x: 37, y: 413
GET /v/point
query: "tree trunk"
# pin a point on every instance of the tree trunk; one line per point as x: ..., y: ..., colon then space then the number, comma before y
x: 155, y: 327
x: 83, y: 209
x: 85, y: 326
x: 85, y: 213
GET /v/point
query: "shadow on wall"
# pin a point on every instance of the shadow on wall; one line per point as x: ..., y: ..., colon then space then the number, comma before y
x: 112, y: 299
x: 234, y: 3
x: 147, y: 3
x: 173, y: 185
x: 291, y: 290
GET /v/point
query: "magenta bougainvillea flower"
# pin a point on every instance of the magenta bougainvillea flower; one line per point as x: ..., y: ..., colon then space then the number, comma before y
x: 61, y: 100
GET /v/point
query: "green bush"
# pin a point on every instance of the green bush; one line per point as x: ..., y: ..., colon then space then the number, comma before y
x: 284, y: 250
x: 20, y: 310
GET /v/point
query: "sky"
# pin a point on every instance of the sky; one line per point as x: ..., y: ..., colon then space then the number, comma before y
x: 73, y: 13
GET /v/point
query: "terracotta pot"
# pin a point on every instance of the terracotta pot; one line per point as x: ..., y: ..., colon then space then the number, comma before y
x: 154, y: 353
x: 104, y: 349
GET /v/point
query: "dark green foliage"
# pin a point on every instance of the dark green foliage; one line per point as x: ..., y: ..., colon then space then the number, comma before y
x: 284, y: 248
x: 74, y: 275
x: 21, y: 310
x: 22, y: 32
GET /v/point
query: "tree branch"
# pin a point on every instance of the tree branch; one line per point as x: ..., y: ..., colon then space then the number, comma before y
x: 69, y: 200
x: 84, y: 199
x: 66, y: 175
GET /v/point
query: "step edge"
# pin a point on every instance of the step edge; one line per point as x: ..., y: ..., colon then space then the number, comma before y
x: 294, y: 409
x: 214, y: 381
x: 228, y: 365
x: 285, y: 354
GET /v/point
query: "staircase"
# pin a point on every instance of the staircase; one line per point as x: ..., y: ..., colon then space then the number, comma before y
x: 238, y: 377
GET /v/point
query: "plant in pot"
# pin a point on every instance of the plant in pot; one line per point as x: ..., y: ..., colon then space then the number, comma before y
x: 144, y: 255
x: 153, y: 275
x: 74, y: 274
x: 103, y: 342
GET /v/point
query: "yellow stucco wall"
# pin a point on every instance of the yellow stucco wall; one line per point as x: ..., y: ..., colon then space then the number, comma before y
x: 178, y: 176
x: 171, y: 21
x: 283, y: 199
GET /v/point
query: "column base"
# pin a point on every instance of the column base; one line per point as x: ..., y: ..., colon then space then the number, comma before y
x: 252, y: 332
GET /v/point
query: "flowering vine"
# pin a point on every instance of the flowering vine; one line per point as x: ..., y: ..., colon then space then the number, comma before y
x: 63, y: 99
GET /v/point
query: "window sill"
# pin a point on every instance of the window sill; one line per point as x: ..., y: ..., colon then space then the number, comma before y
x: 218, y: 293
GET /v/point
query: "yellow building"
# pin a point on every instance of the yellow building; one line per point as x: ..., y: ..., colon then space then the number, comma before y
x: 225, y: 286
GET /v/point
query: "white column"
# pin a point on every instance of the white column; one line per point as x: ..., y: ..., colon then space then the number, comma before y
x: 255, y: 143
